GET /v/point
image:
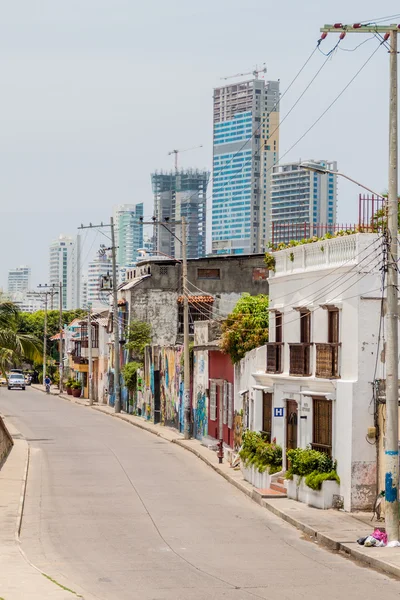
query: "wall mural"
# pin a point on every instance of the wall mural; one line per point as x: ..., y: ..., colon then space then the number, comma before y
x: 201, y: 415
x: 171, y: 384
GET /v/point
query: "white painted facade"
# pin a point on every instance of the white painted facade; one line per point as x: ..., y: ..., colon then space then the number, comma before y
x: 344, y: 274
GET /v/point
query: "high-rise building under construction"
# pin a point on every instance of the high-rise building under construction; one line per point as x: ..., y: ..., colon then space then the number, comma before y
x: 177, y: 194
x: 245, y: 148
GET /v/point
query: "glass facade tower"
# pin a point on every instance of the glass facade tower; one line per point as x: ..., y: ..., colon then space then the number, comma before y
x: 245, y: 148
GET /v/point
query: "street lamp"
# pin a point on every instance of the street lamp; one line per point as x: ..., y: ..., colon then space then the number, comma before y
x: 318, y: 168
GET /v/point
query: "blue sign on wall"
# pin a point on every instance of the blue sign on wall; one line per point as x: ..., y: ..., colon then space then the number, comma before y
x: 278, y: 412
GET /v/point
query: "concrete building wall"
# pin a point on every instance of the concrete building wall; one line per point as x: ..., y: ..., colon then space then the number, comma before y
x: 345, y: 275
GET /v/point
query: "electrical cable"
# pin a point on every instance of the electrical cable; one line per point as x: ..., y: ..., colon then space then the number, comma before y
x: 373, y: 21
x: 329, y: 287
x: 356, y: 47
x: 303, y: 135
x: 331, y: 104
x: 340, y: 266
x: 332, y: 286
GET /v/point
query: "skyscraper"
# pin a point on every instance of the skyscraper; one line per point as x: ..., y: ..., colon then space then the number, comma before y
x: 65, y: 267
x: 245, y: 148
x: 302, y: 201
x: 19, y: 280
x: 129, y: 232
x: 98, y: 268
x: 180, y: 194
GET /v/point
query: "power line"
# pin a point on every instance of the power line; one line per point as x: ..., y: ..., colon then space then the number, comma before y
x: 325, y: 289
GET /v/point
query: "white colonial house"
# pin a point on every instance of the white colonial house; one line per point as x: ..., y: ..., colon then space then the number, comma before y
x: 313, y: 383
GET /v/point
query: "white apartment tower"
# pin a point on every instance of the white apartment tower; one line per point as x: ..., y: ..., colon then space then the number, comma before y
x: 99, y: 267
x: 65, y: 267
x: 19, y: 280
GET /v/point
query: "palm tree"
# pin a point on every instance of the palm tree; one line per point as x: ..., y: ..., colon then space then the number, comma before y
x: 14, y: 346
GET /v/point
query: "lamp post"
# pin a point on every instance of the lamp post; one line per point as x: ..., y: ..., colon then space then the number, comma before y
x: 317, y: 168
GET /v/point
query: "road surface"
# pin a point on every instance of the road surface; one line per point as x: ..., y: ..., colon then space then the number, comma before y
x: 125, y: 515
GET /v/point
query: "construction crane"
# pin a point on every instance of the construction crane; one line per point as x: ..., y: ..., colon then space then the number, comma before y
x: 255, y: 73
x: 176, y: 152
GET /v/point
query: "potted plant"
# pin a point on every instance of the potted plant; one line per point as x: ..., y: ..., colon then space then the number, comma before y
x: 68, y: 386
x: 260, y: 459
x: 76, y: 389
x: 312, y: 477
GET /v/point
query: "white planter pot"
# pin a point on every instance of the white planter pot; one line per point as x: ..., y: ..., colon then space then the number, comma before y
x: 259, y: 480
x: 323, y: 498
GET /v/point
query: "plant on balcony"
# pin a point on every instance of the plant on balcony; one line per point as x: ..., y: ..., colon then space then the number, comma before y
x: 269, y: 260
x: 246, y: 327
x: 262, y: 455
x: 327, y: 236
x: 315, y: 466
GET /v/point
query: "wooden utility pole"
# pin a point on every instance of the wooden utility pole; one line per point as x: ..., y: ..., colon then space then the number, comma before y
x: 90, y: 359
x: 60, y: 343
x: 186, y: 352
x: 388, y: 33
x: 117, y: 384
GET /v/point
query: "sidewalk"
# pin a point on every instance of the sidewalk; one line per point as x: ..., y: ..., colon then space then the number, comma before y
x: 334, y: 529
x: 19, y: 579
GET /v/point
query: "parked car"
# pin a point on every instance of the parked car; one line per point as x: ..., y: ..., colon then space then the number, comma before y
x: 3, y: 380
x: 16, y: 380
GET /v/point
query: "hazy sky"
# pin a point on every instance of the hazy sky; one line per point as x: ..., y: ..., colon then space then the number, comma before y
x: 94, y: 93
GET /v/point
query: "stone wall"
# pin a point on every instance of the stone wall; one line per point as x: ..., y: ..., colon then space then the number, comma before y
x: 6, y: 442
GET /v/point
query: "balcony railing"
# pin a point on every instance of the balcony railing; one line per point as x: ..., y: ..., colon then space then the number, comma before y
x: 79, y: 360
x: 274, y: 357
x: 327, y: 364
x: 300, y: 362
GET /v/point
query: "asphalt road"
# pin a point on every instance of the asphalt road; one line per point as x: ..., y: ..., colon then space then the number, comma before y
x: 125, y: 515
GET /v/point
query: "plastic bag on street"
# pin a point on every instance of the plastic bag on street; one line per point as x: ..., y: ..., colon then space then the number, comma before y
x: 361, y: 540
x: 393, y: 544
x: 381, y: 536
x: 371, y: 541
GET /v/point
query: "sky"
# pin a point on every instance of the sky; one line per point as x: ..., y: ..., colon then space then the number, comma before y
x: 95, y: 93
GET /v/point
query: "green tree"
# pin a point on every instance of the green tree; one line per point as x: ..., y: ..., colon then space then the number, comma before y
x: 129, y: 373
x: 15, y: 346
x: 33, y: 323
x: 138, y: 336
x: 246, y: 327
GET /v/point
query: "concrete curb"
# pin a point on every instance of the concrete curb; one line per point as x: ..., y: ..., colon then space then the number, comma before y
x: 348, y: 548
x: 23, y: 493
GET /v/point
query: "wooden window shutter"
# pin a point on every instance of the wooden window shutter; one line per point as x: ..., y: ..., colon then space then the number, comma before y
x: 230, y: 405
x: 322, y: 424
x: 267, y: 414
x: 225, y: 403
x: 213, y: 401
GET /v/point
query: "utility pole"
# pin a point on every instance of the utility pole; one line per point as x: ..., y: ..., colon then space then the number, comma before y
x: 117, y: 405
x: 117, y: 386
x: 60, y: 344
x: 45, y: 338
x: 186, y: 353
x: 90, y: 374
x: 49, y: 290
x: 389, y: 32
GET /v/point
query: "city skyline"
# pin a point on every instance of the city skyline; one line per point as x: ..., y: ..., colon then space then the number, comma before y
x: 99, y: 143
